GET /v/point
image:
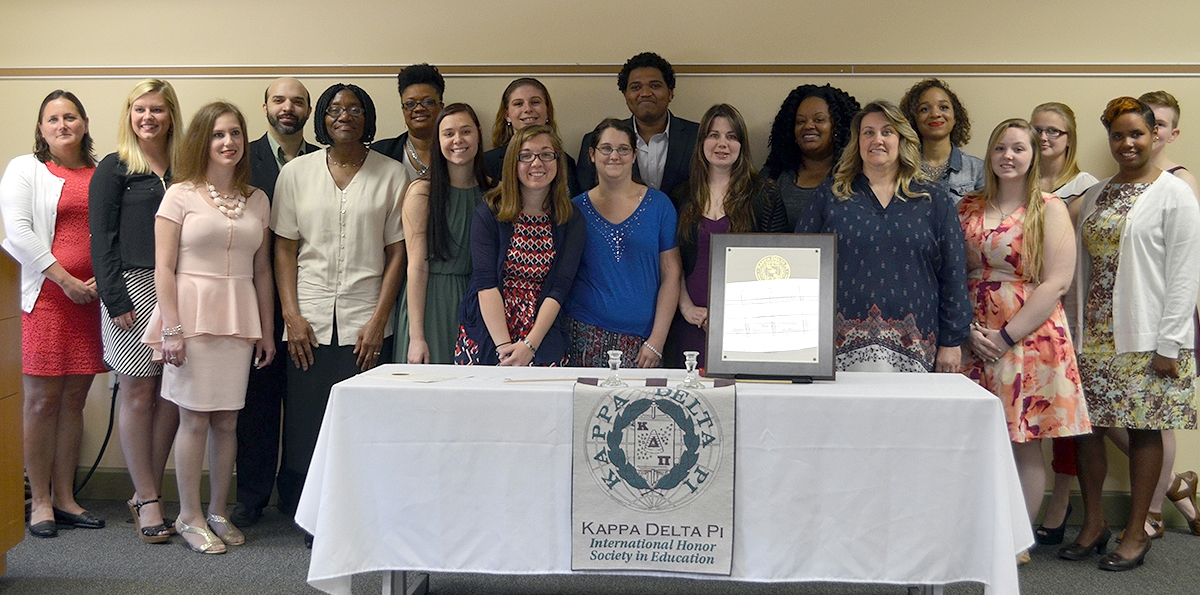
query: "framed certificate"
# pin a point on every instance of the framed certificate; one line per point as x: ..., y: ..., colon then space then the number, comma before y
x: 771, y: 306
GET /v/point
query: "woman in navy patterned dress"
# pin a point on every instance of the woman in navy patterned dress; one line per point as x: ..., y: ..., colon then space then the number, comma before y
x: 902, y: 283
x: 526, y: 240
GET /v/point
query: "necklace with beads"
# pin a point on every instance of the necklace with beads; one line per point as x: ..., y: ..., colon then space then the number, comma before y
x: 416, y: 161
x: 329, y: 156
x: 935, y: 172
x: 231, y: 206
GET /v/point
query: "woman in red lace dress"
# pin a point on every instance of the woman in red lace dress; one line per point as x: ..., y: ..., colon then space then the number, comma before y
x: 45, y: 206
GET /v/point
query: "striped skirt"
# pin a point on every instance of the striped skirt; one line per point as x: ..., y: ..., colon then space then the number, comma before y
x: 124, y: 351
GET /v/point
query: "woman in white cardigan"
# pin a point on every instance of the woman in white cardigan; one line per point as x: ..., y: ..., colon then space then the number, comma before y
x: 44, y: 197
x: 1137, y: 279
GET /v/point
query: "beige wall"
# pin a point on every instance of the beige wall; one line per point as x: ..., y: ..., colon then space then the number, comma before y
x: 1001, y: 57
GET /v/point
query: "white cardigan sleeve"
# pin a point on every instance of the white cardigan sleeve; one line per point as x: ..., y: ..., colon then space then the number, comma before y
x: 17, y: 196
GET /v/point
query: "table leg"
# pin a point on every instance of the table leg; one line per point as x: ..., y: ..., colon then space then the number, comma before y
x: 399, y: 582
x: 926, y: 590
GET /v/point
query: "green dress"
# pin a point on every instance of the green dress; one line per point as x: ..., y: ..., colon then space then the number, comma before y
x: 446, y: 286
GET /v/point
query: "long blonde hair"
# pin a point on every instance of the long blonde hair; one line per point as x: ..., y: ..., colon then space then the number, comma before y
x: 850, y: 164
x: 1035, y: 205
x: 128, y: 148
x: 505, y: 199
x: 1070, y: 167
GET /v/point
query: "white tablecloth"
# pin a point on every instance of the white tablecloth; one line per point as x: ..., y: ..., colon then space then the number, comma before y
x: 881, y: 478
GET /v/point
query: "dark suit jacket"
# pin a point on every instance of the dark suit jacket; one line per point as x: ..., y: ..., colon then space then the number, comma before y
x: 680, y: 145
x: 392, y: 147
x: 264, y: 170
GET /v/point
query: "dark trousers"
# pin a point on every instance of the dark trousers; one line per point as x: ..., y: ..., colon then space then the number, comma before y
x: 258, y: 431
x: 304, y: 408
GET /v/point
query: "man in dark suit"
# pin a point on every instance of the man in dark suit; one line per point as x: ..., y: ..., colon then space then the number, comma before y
x: 664, y: 142
x: 287, y: 106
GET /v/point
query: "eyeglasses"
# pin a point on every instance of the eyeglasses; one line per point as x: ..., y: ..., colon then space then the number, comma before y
x: 1050, y: 133
x: 623, y: 150
x: 546, y: 157
x: 336, y: 111
x: 427, y: 103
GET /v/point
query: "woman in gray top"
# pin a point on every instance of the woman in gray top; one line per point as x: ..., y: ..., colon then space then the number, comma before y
x: 809, y: 133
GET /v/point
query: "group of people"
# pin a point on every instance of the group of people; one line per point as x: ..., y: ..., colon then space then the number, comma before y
x: 210, y: 254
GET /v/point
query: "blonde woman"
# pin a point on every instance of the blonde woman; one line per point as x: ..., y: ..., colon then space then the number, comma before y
x: 902, y: 287
x: 1020, y: 260
x: 124, y: 196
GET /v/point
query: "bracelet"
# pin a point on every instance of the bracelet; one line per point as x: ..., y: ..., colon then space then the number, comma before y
x: 502, y: 345
x: 173, y: 331
x: 653, y: 350
x: 532, y: 349
x: 1004, y: 335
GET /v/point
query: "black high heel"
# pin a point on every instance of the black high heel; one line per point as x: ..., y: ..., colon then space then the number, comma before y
x: 1077, y: 551
x: 1053, y: 535
x: 1116, y: 563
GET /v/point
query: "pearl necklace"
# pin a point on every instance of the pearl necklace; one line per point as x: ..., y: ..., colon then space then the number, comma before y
x: 329, y: 156
x: 229, y: 205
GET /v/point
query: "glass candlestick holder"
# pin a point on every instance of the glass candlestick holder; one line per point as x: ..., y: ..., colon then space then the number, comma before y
x: 614, y: 364
x: 691, y: 379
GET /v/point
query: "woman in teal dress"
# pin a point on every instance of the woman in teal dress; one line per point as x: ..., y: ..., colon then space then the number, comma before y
x: 437, y: 233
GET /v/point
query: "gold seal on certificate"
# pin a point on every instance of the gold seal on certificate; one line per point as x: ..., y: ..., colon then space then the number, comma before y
x: 772, y: 267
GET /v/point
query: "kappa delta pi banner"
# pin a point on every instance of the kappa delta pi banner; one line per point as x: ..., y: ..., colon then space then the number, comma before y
x: 652, y: 485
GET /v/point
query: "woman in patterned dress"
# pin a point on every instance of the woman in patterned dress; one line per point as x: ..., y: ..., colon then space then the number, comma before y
x: 437, y: 235
x: 1020, y: 259
x: 628, y: 286
x: 1139, y: 232
x: 526, y: 240
x: 902, y: 274
x: 44, y: 197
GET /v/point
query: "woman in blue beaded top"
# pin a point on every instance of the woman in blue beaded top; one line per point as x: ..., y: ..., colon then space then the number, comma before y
x: 627, y: 287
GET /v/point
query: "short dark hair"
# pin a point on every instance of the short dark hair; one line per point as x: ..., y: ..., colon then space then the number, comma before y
x: 961, y: 133
x: 646, y: 60
x: 420, y: 74
x: 323, y: 104
x: 41, y: 149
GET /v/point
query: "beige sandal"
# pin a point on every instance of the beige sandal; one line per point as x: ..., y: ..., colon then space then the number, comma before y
x: 231, y: 535
x: 211, y: 545
x: 1177, y: 493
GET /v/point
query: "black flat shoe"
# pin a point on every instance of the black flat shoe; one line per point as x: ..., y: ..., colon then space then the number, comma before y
x: 1052, y: 535
x: 1077, y: 551
x: 44, y: 529
x: 1116, y: 563
x: 245, y: 516
x: 84, y: 520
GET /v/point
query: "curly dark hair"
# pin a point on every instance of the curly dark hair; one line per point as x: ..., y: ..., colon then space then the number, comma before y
x: 421, y: 74
x: 784, y: 153
x: 961, y: 134
x: 319, y: 129
x: 646, y: 60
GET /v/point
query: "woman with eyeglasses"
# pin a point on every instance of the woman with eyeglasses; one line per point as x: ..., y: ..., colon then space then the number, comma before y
x: 339, y: 264
x: 421, y: 87
x: 526, y: 240
x: 525, y: 102
x: 1059, y: 174
x: 627, y: 289
x: 723, y: 195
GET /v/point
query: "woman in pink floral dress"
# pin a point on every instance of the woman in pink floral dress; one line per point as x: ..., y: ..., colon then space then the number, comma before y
x: 1020, y: 258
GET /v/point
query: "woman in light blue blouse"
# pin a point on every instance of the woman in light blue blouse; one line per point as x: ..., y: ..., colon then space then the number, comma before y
x: 627, y: 287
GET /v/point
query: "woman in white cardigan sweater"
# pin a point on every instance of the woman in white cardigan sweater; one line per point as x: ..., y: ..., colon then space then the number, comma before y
x: 1139, y: 233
